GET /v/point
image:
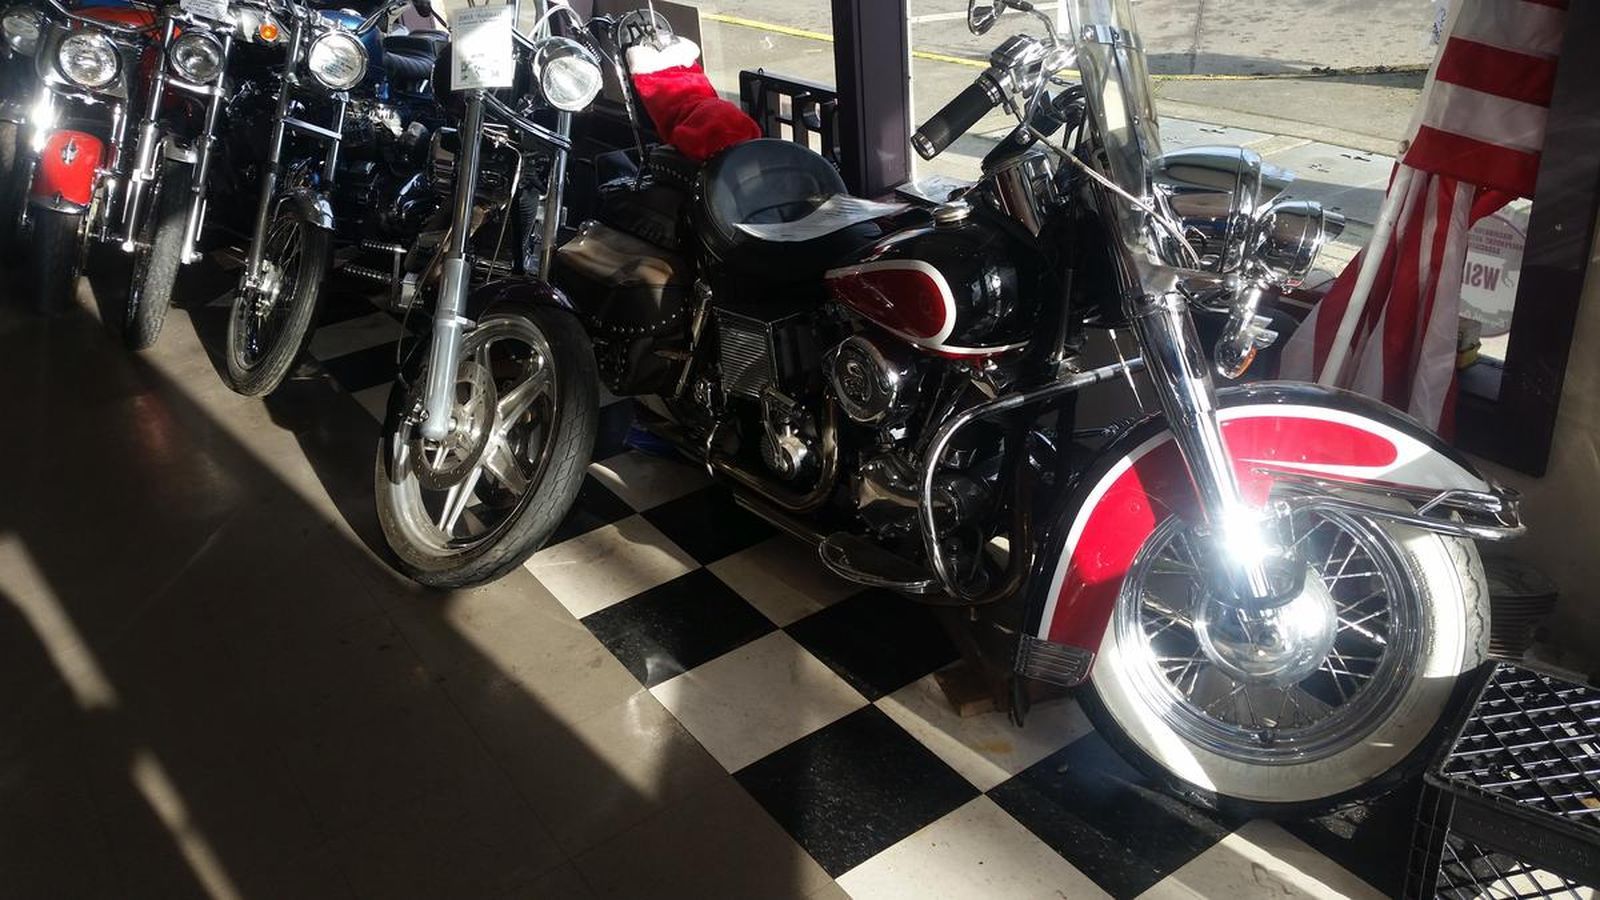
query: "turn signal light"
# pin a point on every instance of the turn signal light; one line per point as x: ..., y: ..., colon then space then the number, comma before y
x: 267, y: 32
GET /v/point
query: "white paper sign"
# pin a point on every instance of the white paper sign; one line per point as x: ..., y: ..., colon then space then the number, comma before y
x: 836, y: 214
x: 216, y: 10
x: 1493, y: 269
x: 481, y: 45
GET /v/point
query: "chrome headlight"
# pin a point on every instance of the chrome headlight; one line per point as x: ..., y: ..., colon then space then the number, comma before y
x: 1292, y: 233
x: 88, y: 59
x: 568, y: 73
x: 21, y: 27
x: 197, y: 56
x: 337, y: 60
x: 1217, y: 192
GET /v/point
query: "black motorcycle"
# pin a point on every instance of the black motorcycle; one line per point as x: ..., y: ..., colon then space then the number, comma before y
x: 343, y: 169
x: 496, y: 410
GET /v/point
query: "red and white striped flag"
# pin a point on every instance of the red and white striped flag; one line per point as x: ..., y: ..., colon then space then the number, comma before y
x: 1387, y: 327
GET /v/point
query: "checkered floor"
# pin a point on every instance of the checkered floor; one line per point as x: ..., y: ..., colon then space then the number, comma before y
x: 819, y: 697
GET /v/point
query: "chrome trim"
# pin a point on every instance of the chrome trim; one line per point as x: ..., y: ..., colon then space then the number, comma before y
x: 927, y: 521
x: 1493, y: 515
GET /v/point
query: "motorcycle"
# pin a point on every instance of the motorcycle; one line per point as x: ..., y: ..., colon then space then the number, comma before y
x: 499, y: 405
x: 1268, y: 594
x: 176, y: 138
x: 89, y: 65
x: 347, y: 185
x: 20, y: 26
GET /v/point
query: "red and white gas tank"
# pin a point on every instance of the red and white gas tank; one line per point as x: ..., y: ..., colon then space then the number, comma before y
x: 956, y: 287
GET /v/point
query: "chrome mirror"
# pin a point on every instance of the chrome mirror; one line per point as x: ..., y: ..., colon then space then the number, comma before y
x: 982, y: 14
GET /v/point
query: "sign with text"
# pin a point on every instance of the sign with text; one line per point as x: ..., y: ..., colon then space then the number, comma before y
x: 481, y: 44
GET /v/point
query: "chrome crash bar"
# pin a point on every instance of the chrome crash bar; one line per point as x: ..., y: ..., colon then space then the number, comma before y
x: 927, y: 519
x: 1493, y: 515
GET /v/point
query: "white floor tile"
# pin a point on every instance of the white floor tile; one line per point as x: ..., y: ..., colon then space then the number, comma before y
x: 594, y: 570
x: 986, y: 749
x: 351, y: 335
x: 645, y: 481
x: 375, y: 400
x: 976, y: 851
x: 761, y: 697
x: 783, y: 578
x: 1261, y: 860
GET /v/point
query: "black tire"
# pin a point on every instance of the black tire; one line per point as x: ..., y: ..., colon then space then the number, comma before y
x: 546, y: 504
x: 57, y: 252
x: 155, y: 259
x: 254, y: 369
x: 13, y: 190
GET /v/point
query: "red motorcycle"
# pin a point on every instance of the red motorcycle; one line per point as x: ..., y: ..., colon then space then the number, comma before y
x: 1268, y: 593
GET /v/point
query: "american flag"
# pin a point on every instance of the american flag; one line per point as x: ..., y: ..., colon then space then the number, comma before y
x: 1387, y: 327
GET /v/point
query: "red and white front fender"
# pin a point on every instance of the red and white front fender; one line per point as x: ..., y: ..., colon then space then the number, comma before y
x: 1140, y: 480
x: 65, y: 176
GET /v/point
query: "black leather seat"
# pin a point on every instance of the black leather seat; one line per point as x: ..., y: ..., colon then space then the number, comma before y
x: 410, y: 58
x: 768, y: 181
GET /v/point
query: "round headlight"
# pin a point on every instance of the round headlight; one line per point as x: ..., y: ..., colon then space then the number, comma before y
x: 568, y: 73
x: 196, y: 56
x: 21, y: 27
x: 337, y: 60
x: 88, y: 59
x: 1292, y: 233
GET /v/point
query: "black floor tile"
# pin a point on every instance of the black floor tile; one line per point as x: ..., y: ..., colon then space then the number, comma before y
x: 343, y: 305
x: 709, y: 525
x: 670, y: 629
x: 854, y: 788
x: 877, y: 640
x: 1370, y: 839
x: 1106, y: 818
x: 364, y: 368
x: 596, y: 507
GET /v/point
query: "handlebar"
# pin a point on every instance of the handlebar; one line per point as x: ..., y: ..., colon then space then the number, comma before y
x: 108, y: 26
x: 958, y: 116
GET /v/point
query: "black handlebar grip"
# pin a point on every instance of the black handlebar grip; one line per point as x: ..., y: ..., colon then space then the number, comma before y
x: 957, y: 117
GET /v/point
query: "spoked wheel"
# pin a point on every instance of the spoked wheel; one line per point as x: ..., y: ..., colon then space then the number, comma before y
x: 270, y: 322
x: 1321, y: 700
x: 469, y: 508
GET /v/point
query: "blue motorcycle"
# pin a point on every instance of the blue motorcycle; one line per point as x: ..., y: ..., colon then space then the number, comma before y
x: 344, y: 168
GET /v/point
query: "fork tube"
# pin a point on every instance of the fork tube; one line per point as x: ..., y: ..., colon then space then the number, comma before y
x: 202, y: 162
x: 341, y: 101
x: 1173, y: 357
x: 444, y: 354
x: 269, y: 172
x: 553, y: 194
x: 149, y: 141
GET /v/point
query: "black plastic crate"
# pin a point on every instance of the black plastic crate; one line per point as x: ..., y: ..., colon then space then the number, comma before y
x: 1512, y: 808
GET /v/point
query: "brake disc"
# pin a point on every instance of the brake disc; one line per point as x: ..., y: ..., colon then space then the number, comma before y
x: 441, y: 465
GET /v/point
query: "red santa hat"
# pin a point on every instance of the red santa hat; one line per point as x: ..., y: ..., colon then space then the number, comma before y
x: 680, y: 100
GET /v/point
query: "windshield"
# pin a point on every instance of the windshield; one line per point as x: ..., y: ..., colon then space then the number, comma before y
x: 1111, y: 58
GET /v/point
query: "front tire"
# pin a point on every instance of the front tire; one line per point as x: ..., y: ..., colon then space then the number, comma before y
x: 156, y: 258
x: 57, y: 243
x: 13, y: 189
x: 466, y: 510
x: 1407, y: 705
x: 270, y: 324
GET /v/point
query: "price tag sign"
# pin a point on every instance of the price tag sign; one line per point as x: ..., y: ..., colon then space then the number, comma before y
x: 216, y: 10
x: 481, y: 45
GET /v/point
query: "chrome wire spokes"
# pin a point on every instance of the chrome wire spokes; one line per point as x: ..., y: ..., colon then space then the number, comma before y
x: 459, y: 492
x: 1177, y: 670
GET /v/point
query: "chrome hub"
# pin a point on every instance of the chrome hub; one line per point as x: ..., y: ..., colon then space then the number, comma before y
x: 440, y: 465
x: 1279, y: 646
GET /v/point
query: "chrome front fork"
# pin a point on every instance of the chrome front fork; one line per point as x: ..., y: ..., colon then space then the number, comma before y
x: 147, y: 140
x: 449, y: 325
x: 1177, y: 365
x: 444, y: 353
x: 269, y: 171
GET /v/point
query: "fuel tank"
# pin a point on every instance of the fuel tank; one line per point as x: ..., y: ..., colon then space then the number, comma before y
x: 956, y: 287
